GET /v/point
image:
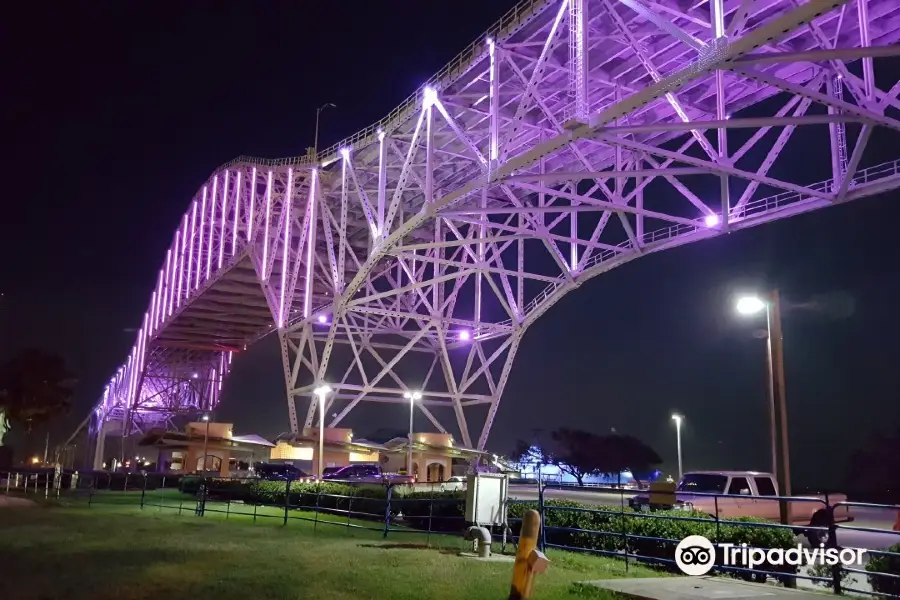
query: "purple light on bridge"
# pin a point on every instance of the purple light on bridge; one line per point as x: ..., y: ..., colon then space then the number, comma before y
x: 212, y: 226
x: 265, y: 256
x: 181, y: 260
x: 322, y: 319
x: 152, y: 309
x: 237, y: 213
x: 200, y: 240
x: 224, y: 215
x: 168, y: 295
x: 190, y: 263
x: 345, y: 153
x: 310, y: 242
x: 429, y: 97
x: 711, y: 220
x: 288, y: 200
x: 252, y: 204
x: 465, y: 335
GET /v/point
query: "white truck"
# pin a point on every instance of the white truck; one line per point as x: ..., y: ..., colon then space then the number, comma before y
x: 730, y: 494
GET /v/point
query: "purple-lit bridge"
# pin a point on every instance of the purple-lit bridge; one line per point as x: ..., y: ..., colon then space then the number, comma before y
x: 573, y: 137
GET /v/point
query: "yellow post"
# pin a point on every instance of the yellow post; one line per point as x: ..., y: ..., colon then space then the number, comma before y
x: 529, y: 560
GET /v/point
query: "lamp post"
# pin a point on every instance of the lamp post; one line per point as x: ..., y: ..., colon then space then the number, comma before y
x: 205, y: 419
x: 321, y: 393
x: 678, y: 419
x: 412, y: 397
x: 318, y: 114
x: 778, y: 420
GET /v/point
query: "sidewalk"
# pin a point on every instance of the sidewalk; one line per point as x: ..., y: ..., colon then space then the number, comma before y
x: 696, y: 588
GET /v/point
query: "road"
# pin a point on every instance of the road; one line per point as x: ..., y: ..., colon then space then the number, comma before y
x: 865, y: 517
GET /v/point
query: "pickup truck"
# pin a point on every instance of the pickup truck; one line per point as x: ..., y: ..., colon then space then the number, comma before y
x: 731, y: 494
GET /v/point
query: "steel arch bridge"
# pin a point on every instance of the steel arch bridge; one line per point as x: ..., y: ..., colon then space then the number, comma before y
x: 575, y: 136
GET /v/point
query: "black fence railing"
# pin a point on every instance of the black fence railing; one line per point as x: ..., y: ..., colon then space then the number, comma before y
x: 614, y: 528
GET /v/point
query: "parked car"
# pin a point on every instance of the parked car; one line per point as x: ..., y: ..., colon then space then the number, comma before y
x: 454, y: 484
x: 279, y: 472
x: 748, y: 494
x: 365, y: 473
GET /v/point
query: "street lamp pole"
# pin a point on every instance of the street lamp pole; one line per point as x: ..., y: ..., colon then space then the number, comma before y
x: 318, y: 114
x: 412, y: 397
x: 321, y: 392
x: 678, y: 419
x: 205, y: 442
x: 778, y: 419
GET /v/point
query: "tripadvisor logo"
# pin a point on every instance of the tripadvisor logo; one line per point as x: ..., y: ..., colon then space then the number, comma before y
x: 696, y: 555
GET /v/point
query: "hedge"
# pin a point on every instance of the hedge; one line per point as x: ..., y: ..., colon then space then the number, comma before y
x: 436, y: 511
x: 880, y: 563
x: 600, y: 529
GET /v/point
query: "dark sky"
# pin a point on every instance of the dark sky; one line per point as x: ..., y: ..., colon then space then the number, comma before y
x: 116, y: 112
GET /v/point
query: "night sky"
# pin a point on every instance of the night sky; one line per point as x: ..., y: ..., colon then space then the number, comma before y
x: 116, y: 112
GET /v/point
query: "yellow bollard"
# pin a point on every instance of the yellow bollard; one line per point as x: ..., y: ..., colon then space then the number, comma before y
x: 529, y: 560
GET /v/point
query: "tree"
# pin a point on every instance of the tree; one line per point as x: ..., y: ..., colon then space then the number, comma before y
x: 578, y: 453
x: 35, y: 386
x: 626, y: 453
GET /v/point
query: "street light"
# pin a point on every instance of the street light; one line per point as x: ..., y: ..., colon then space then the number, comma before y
x: 318, y: 113
x: 678, y: 419
x: 205, y: 419
x: 321, y: 392
x: 778, y: 420
x: 412, y: 397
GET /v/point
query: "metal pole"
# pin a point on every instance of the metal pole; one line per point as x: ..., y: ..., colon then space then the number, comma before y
x: 321, y: 435
x: 678, y: 437
x: 776, y: 355
x: 409, y: 460
x: 205, y: 445
x: 318, y: 114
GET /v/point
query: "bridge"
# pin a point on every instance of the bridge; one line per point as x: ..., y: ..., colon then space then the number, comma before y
x: 573, y: 137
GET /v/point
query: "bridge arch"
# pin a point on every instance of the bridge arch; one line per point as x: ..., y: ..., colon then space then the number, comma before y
x: 576, y: 136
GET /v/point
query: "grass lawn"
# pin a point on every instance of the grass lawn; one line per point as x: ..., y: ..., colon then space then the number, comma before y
x: 117, y: 551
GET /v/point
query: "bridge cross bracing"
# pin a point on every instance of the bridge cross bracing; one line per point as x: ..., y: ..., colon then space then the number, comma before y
x: 573, y: 137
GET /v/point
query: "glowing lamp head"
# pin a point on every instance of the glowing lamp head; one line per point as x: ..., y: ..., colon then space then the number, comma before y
x: 677, y: 418
x: 322, y: 390
x: 750, y: 305
x: 345, y: 153
x: 380, y: 133
x: 465, y: 335
x: 322, y: 319
x: 429, y: 96
x: 412, y: 396
x: 490, y: 42
x: 711, y: 220
x: 205, y: 418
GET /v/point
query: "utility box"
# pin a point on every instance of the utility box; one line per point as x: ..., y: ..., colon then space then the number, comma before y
x: 486, y: 496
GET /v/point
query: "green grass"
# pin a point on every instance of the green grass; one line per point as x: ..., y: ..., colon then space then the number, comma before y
x: 113, y: 550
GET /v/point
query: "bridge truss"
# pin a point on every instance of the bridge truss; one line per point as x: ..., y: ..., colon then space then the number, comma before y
x: 576, y: 136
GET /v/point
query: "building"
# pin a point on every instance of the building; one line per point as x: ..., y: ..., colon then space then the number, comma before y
x: 183, y: 452
x: 435, y: 455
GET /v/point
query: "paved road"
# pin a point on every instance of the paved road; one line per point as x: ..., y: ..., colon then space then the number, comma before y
x: 865, y: 517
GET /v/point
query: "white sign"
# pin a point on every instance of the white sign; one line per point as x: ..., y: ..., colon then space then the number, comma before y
x: 696, y: 555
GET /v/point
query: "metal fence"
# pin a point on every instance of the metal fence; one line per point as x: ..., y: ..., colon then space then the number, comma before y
x: 614, y: 529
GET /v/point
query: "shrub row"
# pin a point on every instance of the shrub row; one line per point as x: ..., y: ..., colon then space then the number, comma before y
x: 437, y: 511
x: 603, y: 529
x: 879, y: 563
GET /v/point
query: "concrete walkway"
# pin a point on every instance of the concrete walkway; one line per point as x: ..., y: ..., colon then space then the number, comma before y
x: 699, y: 588
x: 17, y: 502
